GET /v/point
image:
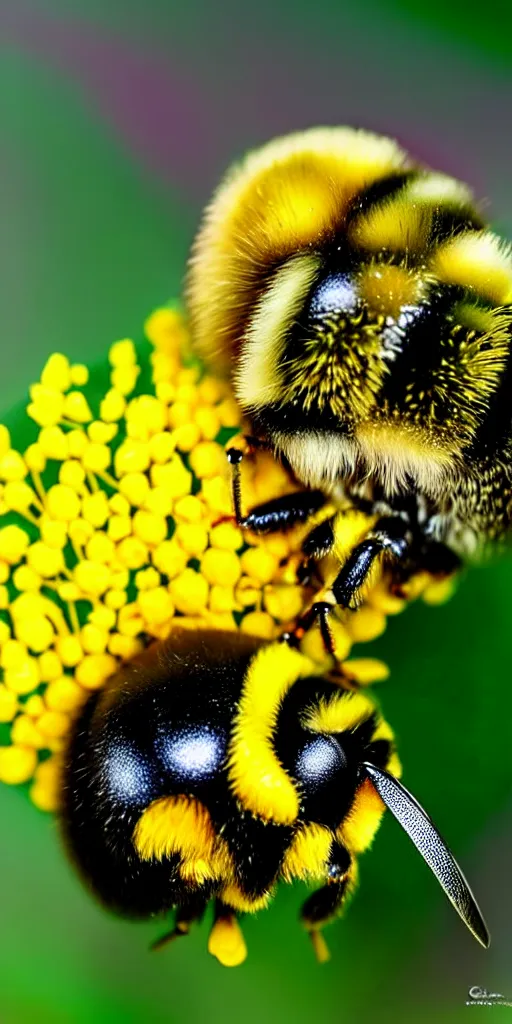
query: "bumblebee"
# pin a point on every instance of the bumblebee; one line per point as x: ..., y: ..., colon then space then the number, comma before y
x: 212, y: 766
x: 363, y: 311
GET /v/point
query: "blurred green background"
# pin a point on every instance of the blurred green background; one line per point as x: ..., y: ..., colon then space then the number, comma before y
x: 117, y: 119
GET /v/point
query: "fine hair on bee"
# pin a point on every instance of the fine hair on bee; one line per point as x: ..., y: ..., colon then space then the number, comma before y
x: 214, y: 765
x: 363, y: 311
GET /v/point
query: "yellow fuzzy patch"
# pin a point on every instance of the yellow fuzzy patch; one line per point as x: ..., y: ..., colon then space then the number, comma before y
x: 478, y: 260
x: 256, y: 776
x: 308, y: 853
x: 344, y: 711
x: 258, y: 379
x: 282, y: 198
x: 395, y: 453
x: 386, y: 288
x: 233, y: 897
x: 396, y: 224
x: 359, y: 828
x: 440, y: 190
x: 181, y: 825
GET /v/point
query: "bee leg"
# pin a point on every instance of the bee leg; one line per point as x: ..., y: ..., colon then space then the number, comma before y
x: 438, y: 559
x: 319, y: 610
x: 324, y: 904
x: 391, y: 534
x: 186, y: 915
x: 272, y: 516
x: 226, y: 941
x: 320, y: 541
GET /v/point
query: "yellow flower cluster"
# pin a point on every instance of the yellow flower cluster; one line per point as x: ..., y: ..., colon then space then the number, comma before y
x: 114, y: 521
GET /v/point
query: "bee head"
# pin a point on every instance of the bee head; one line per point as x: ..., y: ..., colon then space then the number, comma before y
x: 360, y: 307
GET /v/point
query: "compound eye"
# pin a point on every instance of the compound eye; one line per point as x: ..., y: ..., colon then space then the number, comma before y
x: 193, y: 755
x: 318, y: 763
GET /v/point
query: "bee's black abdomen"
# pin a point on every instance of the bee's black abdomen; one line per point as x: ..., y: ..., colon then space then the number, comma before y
x: 158, y: 728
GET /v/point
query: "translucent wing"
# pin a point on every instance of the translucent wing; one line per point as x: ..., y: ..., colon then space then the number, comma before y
x: 420, y: 828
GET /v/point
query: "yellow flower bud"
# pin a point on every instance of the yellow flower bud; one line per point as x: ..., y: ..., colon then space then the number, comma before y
x: 94, y: 670
x: 56, y: 372
x: 151, y: 529
x: 112, y: 407
x: 17, y: 764
x: 13, y: 544
x: 132, y: 552
x: 93, y: 578
x: 258, y: 624
x: 175, y: 477
x: 100, y: 548
x: 12, y: 466
x: 169, y: 558
x: 64, y: 694
x: 63, y: 503
x: 219, y: 566
x: 69, y: 650
x: 161, y: 445
x: 79, y: 375
x: 96, y: 457
x: 94, y: 640
x: 77, y: 443
x: 156, y: 605
x: 8, y: 704
x: 208, y: 459
x: 101, y: 433
x: 132, y: 456
x: 96, y: 509
x: 122, y: 353
x: 192, y: 537
x: 189, y: 592
x: 44, y: 560
x: 76, y: 408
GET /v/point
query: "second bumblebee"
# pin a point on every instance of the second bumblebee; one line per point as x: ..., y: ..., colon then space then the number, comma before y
x: 363, y: 311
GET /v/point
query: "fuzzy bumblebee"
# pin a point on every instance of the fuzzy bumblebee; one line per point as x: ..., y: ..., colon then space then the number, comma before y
x: 215, y: 764
x: 363, y: 311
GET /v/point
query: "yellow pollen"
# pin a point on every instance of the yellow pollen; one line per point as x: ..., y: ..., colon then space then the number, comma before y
x: 110, y: 533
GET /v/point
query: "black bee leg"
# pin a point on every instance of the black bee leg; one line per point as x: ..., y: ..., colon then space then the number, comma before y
x: 280, y: 514
x: 226, y: 941
x: 186, y: 915
x: 326, y: 903
x: 390, y: 535
x: 319, y: 542
x: 319, y: 610
x: 438, y: 559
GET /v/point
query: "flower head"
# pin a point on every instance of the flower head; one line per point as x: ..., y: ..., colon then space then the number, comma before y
x: 115, y: 522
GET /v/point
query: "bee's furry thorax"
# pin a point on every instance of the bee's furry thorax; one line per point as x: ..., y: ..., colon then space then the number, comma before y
x: 364, y: 312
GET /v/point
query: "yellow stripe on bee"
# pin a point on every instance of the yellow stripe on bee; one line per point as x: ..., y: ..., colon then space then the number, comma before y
x: 308, y: 853
x: 256, y: 776
x: 287, y: 196
x: 179, y: 824
x: 344, y: 711
x: 233, y: 897
x: 439, y: 190
x: 396, y: 224
x: 384, y: 731
x: 360, y: 826
x: 350, y: 527
x: 388, y: 288
x: 258, y: 379
x: 478, y: 260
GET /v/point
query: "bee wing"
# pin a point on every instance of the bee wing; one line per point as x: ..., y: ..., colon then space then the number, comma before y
x: 421, y: 829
